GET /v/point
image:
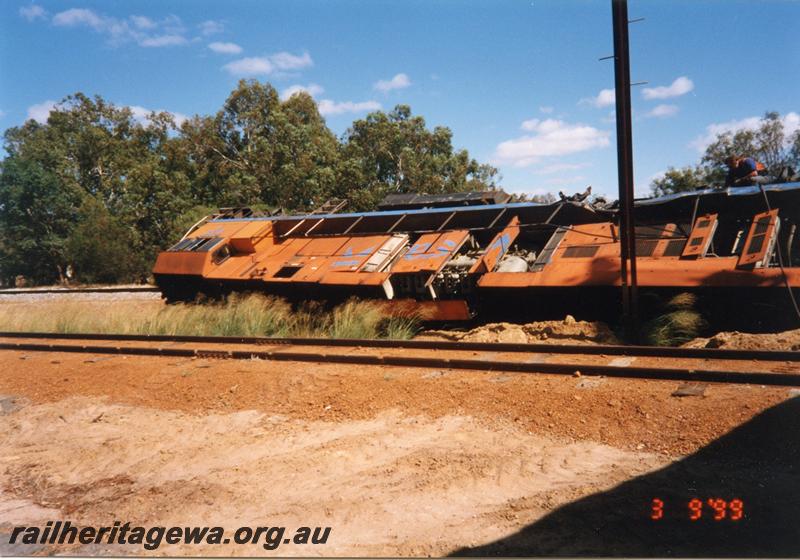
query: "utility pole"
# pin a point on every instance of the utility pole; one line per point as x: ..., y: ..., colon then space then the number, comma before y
x: 622, y: 80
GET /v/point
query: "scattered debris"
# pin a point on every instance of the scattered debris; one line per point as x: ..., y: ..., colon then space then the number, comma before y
x: 590, y: 382
x: 537, y: 358
x: 9, y: 404
x: 690, y: 390
x: 97, y: 359
x: 623, y: 361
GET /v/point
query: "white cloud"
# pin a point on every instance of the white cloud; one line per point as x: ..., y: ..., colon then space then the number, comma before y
x: 329, y: 107
x: 525, y: 190
x: 142, y: 30
x: 251, y: 66
x: 225, y: 48
x: 143, y: 22
x: 546, y: 110
x: 559, y: 167
x: 40, y: 111
x: 289, y: 61
x: 311, y: 89
x: 551, y: 138
x: 210, y: 27
x: 78, y: 16
x: 265, y: 65
x: 142, y: 115
x: 680, y: 86
x: 791, y: 124
x: 663, y: 111
x: 180, y: 118
x: 565, y: 181
x: 399, y: 81
x: 654, y: 177
x: 603, y: 99
x: 32, y: 12
x: 163, y: 41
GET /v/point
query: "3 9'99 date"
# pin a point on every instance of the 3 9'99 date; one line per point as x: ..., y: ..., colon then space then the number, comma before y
x: 696, y: 509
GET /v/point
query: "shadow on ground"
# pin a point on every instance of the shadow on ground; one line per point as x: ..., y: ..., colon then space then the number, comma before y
x: 758, y: 462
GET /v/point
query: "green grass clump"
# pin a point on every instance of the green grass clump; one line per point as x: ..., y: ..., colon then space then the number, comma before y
x: 239, y: 315
x: 678, y: 323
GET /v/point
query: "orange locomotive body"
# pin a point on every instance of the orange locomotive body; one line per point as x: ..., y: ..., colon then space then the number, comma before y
x: 445, y: 262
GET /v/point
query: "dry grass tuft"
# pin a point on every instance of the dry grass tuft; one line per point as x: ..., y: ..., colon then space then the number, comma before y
x: 240, y: 315
x: 678, y: 323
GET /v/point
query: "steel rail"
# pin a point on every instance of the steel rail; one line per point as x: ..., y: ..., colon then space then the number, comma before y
x: 638, y: 372
x: 115, y: 290
x: 611, y: 350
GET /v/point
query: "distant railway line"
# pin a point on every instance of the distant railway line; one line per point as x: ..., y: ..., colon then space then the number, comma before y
x: 100, y: 290
x: 781, y: 368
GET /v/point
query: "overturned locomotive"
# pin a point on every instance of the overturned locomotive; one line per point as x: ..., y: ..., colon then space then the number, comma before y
x: 449, y: 257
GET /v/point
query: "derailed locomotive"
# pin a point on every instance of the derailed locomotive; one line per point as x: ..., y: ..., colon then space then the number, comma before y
x: 449, y: 257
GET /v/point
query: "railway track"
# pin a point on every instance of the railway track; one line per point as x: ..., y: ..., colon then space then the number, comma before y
x: 111, y: 290
x: 520, y: 358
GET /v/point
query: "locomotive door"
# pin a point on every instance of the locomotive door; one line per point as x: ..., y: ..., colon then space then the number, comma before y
x: 702, y: 234
x: 760, y: 240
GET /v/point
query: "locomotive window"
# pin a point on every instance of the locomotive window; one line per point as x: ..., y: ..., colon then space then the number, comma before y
x: 696, y: 241
x: 206, y: 244
x: 703, y: 224
x: 761, y: 226
x: 583, y: 252
x: 288, y: 271
x: 195, y: 243
x: 755, y: 244
x: 675, y: 248
x: 646, y: 247
x: 181, y: 245
x: 221, y: 254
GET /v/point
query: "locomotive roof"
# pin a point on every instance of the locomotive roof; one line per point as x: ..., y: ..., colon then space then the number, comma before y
x: 669, y: 207
x: 731, y: 191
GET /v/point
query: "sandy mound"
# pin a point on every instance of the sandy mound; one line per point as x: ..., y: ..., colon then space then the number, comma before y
x: 557, y: 332
x: 788, y: 340
x: 394, y: 484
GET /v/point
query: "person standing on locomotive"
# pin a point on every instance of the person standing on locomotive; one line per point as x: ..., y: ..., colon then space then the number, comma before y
x: 742, y: 171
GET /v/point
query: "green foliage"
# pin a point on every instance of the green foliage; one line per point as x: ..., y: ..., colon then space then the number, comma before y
x: 146, y: 181
x: 769, y: 144
x: 37, y: 216
x: 546, y: 198
x: 679, y: 180
x: 395, y: 153
x: 99, y: 247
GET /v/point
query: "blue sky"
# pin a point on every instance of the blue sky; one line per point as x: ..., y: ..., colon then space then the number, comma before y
x: 518, y: 82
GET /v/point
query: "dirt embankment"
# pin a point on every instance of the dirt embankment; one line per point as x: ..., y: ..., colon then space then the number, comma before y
x: 568, y: 331
x: 787, y: 340
x: 571, y: 331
